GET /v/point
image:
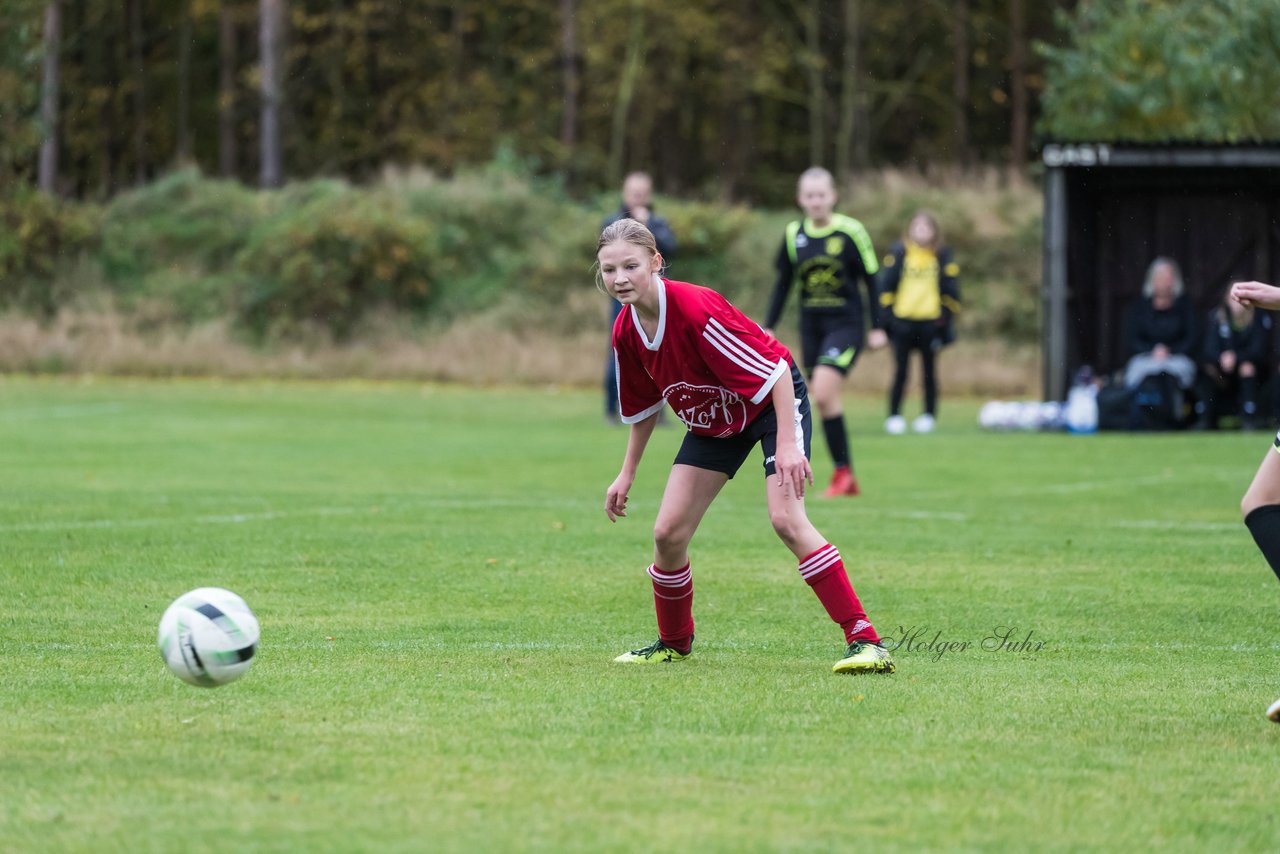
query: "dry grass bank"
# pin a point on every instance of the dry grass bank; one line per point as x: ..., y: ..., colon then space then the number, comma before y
x: 480, y: 349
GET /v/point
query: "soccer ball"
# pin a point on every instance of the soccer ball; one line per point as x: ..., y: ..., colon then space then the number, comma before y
x: 208, y: 637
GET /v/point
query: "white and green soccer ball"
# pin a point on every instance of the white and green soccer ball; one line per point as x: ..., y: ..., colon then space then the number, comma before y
x: 208, y: 637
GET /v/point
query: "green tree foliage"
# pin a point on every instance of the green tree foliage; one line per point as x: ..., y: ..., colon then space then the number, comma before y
x: 1156, y: 70
x: 716, y: 98
x: 19, y: 90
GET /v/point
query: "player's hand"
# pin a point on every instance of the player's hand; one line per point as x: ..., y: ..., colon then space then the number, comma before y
x: 1227, y: 361
x: 791, y: 469
x: 877, y: 338
x: 1256, y: 295
x: 615, y: 499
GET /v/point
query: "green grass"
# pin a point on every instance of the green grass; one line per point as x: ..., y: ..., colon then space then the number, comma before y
x: 440, y: 597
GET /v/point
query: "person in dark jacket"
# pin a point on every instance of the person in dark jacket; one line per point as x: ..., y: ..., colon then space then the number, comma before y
x: 1160, y: 335
x: 637, y: 204
x: 1236, y: 342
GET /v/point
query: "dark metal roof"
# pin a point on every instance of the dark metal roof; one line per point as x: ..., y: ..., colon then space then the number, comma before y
x: 1263, y: 155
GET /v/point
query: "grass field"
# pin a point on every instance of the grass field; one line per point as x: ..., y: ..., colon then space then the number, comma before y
x: 440, y: 597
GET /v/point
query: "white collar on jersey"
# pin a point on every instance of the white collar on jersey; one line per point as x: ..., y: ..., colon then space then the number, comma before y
x: 662, y: 317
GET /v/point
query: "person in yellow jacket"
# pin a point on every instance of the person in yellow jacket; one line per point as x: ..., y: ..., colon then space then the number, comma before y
x: 919, y: 298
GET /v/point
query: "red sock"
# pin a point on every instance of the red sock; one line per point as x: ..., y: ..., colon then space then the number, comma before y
x: 673, y: 600
x: 823, y: 570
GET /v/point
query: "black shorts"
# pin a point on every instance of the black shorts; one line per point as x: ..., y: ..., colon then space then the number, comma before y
x: 727, y: 454
x: 830, y: 339
x: 919, y: 335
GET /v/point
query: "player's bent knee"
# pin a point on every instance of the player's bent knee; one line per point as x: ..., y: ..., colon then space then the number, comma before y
x: 671, y: 536
x: 786, y: 525
x: 1255, y: 498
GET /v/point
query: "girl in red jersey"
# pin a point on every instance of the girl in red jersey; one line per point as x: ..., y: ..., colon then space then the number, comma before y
x: 1261, y: 503
x: 734, y: 387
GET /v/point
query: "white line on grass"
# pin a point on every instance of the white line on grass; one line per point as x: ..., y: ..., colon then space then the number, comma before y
x: 230, y: 518
x: 270, y: 515
x: 82, y: 411
x: 1175, y: 525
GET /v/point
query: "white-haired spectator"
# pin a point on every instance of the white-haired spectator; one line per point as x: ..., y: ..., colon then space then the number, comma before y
x: 1160, y: 336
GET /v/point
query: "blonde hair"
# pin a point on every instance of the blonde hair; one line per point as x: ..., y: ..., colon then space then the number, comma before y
x: 1151, y: 272
x: 816, y: 172
x: 628, y: 231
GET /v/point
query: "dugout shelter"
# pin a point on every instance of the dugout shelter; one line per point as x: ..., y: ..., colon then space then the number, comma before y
x: 1109, y: 209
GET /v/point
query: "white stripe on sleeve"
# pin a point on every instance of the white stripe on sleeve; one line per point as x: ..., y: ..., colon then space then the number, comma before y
x: 779, y: 371
x: 733, y: 347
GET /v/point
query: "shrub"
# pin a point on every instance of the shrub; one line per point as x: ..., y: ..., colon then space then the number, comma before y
x: 332, y: 258
x: 41, y: 238
x: 183, y: 222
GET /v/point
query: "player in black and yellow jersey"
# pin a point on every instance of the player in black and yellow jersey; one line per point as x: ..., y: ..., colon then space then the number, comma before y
x: 919, y: 298
x: 828, y: 255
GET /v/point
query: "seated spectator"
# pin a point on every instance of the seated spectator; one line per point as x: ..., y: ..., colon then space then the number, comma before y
x: 1160, y: 336
x: 1234, y: 354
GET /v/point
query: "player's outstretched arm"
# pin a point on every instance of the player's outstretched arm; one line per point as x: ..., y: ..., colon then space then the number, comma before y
x: 1256, y: 294
x: 790, y: 467
x: 615, y: 498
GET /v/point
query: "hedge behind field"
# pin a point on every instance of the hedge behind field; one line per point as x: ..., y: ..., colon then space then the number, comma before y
x: 323, y: 254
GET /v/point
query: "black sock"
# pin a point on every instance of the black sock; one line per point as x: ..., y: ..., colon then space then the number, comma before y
x: 1264, y: 524
x: 837, y: 441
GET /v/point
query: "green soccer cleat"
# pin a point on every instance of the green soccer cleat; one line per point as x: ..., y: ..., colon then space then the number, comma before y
x: 864, y: 657
x: 655, y: 653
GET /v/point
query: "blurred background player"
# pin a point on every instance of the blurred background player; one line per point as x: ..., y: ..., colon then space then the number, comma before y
x: 1261, y: 503
x: 637, y: 204
x: 919, y: 298
x: 1237, y: 339
x: 734, y: 387
x: 828, y: 254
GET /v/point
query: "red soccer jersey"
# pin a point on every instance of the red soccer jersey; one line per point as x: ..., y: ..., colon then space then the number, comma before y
x: 713, y: 364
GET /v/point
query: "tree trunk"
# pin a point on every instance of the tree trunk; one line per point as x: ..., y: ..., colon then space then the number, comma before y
x: 626, y: 91
x: 100, y: 55
x: 569, y: 61
x: 813, y: 57
x: 848, y: 93
x: 1018, y: 86
x: 226, y: 90
x: 184, y: 83
x: 137, y: 49
x: 48, y: 171
x: 960, y: 84
x: 272, y: 17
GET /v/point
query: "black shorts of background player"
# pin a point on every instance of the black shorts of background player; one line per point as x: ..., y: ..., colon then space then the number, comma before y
x: 828, y: 255
x: 1261, y: 503
x: 919, y: 297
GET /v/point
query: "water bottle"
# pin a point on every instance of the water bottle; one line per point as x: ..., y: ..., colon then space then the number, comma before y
x: 1081, y: 415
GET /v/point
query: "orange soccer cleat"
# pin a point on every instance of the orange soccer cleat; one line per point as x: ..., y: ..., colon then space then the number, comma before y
x: 843, y: 482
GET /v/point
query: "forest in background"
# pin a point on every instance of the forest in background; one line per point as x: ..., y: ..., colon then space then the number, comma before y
x: 717, y: 99
x: 206, y: 186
